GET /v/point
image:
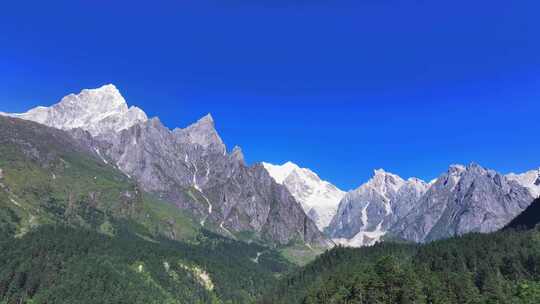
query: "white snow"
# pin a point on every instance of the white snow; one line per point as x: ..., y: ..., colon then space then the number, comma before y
x: 97, y: 111
x: 209, y: 204
x: 207, y: 171
x: 203, y: 221
x: 196, y: 170
x: 99, y: 154
x: 363, y: 238
x: 14, y: 202
x: 364, y: 215
x: 529, y: 180
x: 318, y: 198
x: 280, y: 173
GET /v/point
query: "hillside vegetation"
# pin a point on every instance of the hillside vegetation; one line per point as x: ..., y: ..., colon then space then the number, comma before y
x: 74, y: 229
x: 502, y: 267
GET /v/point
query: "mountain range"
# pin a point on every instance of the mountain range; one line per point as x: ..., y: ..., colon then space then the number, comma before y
x: 189, y: 168
x: 280, y: 205
x: 463, y: 199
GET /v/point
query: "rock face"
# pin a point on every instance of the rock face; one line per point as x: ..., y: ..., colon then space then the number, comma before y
x: 319, y: 198
x: 188, y: 167
x: 529, y: 180
x: 367, y: 213
x: 464, y: 199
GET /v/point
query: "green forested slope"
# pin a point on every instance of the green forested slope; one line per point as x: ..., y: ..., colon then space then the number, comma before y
x: 502, y: 267
x: 47, y: 178
x: 56, y: 264
x: 74, y: 229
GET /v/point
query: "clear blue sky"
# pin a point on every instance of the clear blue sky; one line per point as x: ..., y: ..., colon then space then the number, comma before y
x: 342, y: 87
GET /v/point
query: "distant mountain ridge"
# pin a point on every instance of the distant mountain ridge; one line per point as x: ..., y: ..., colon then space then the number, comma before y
x: 189, y: 167
x: 280, y: 204
x: 464, y: 199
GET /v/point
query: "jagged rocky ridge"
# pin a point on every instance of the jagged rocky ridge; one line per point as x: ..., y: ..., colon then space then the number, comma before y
x: 367, y: 213
x: 464, y: 199
x: 188, y: 167
x: 191, y: 168
x: 319, y: 198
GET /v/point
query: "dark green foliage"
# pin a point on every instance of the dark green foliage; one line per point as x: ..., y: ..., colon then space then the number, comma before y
x: 528, y: 219
x: 502, y: 267
x: 57, y: 264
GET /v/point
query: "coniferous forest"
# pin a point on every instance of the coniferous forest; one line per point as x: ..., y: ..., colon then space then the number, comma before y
x: 502, y: 267
x: 57, y: 264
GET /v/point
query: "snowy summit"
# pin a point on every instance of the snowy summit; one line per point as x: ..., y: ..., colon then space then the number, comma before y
x: 97, y: 111
x: 319, y: 198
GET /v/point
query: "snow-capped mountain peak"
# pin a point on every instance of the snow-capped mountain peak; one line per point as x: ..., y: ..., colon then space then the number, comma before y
x: 529, y: 180
x: 280, y: 172
x: 97, y: 111
x: 366, y: 213
x: 319, y: 198
x: 385, y: 181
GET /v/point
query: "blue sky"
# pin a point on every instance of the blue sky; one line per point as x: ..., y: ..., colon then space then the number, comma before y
x: 342, y: 87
